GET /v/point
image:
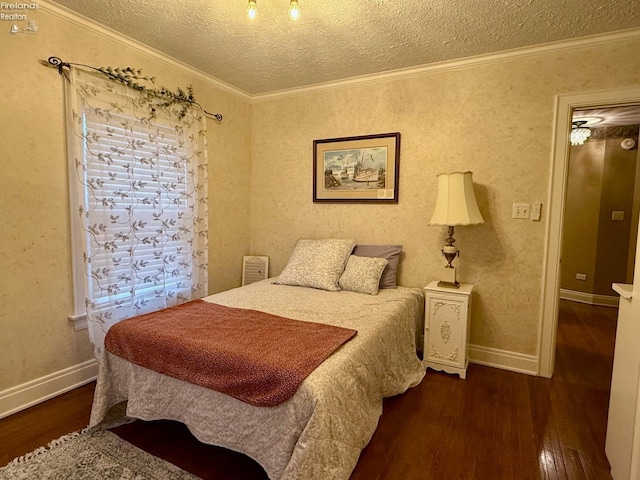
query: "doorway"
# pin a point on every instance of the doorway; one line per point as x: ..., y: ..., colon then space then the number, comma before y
x: 565, y: 106
x: 602, y: 205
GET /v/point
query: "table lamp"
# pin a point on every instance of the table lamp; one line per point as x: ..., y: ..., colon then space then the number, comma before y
x: 456, y: 205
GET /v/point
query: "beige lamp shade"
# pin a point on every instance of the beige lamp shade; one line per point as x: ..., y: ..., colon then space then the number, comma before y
x: 456, y: 203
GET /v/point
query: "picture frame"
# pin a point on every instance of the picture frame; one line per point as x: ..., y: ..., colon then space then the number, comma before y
x: 362, y: 169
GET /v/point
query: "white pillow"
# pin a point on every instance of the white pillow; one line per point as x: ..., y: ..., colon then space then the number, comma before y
x: 317, y: 263
x: 362, y: 274
x: 391, y: 253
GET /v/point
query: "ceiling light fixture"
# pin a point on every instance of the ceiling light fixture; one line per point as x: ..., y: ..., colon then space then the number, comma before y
x: 294, y: 10
x: 252, y: 10
x: 579, y: 133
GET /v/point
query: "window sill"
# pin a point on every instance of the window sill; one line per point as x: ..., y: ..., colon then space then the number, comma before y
x: 79, y: 321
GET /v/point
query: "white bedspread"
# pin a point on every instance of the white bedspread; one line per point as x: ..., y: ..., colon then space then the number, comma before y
x: 320, y: 431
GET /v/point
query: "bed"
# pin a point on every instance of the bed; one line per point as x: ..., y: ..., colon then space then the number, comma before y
x: 320, y: 431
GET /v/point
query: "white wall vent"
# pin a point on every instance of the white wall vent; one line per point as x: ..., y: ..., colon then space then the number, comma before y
x: 254, y: 268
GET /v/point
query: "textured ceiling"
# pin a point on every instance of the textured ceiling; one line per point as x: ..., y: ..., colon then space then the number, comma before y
x: 609, y: 117
x: 339, y: 39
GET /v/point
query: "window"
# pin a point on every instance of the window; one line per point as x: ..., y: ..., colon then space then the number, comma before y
x: 138, y: 178
x: 132, y: 215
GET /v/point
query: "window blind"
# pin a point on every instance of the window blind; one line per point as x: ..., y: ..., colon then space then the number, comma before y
x: 138, y: 194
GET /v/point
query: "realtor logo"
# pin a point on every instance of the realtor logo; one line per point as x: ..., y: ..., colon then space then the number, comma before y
x: 18, y: 12
x: 29, y: 28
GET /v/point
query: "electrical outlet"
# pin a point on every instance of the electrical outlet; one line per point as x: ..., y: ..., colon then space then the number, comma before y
x: 581, y: 276
x: 521, y: 210
x: 617, y: 215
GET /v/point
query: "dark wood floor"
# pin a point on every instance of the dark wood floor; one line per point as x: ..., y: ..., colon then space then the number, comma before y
x: 493, y: 425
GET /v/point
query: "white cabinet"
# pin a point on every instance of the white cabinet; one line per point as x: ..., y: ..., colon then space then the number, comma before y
x: 446, y: 328
x: 623, y: 426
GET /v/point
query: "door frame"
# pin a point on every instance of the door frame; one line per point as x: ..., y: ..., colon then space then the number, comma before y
x: 565, y: 104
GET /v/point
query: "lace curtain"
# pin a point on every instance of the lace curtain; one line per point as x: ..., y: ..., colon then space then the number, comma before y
x: 138, y: 180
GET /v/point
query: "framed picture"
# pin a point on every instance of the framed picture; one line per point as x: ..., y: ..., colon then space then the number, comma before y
x: 361, y: 169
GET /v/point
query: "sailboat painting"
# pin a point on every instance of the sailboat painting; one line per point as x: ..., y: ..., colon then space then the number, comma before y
x: 357, y: 169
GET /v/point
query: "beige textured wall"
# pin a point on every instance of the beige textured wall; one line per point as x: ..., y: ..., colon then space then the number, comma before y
x: 36, y: 338
x: 614, y: 235
x: 582, y: 216
x: 495, y: 119
x: 601, y: 179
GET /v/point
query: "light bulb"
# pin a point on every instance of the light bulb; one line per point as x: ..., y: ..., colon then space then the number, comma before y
x: 579, y: 133
x: 252, y: 11
x: 294, y: 10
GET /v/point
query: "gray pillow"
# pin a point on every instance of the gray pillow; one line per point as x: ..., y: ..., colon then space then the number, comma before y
x: 391, y: 253
x: 362, y: 274
x: 317, y: 263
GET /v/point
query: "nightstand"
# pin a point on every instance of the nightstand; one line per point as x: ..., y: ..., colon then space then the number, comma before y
x: 446, y: 327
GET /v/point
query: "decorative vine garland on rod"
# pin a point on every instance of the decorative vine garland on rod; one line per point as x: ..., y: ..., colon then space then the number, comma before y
x: 130, y: 77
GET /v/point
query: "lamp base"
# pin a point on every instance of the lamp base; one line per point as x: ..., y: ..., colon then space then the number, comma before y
x: 448, y: 278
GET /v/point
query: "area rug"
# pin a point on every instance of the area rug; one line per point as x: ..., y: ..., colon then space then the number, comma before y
x: 95, y: 454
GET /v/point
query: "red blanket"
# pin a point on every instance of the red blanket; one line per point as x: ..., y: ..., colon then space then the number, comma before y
x: 253, y: 356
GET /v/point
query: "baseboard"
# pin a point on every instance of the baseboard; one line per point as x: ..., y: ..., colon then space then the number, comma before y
x: 21, y: 397
x: 590, y: 298
x: 505, y: 360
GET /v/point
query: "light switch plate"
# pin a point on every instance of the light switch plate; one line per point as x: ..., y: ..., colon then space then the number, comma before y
x: 617, y: 215
x: 521, y: 210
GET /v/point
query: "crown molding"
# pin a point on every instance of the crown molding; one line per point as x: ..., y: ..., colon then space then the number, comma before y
x: 106, y: 32
x: 558, y: 46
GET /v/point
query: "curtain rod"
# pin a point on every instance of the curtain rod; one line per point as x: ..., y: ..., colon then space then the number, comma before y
x: 56, y: 62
